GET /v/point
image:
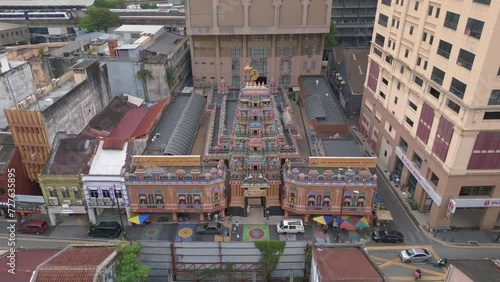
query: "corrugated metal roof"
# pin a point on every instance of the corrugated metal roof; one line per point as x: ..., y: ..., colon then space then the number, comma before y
x: 129, y: 123
x: 314, y: 108
x: 185, y: 131
x: 149, y: 121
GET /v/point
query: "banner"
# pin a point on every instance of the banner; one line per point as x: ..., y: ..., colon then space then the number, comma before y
x: 194, y: 160
x: 354, y: 162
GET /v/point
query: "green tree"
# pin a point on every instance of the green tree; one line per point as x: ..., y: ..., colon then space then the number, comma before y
x: 144, y: 74
x: 148, y: 5
x: 170, y: 76
x: 99, y: 19
x: 271, y: 252
x: 129, y: 268
x: 110, y: 4
x: 330, y: 41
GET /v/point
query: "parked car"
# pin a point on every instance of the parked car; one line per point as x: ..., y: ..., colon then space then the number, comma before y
x: 210, y: 228
x: 33, y: 226
x: 415, y: 255
x: 290, y: 226
x: 390, y: 236
x: 106, y: 229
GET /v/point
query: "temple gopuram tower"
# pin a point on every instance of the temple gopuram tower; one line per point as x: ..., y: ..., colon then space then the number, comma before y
x: 258, y: 147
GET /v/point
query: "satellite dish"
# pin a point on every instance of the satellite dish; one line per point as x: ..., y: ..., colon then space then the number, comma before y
x: 255, y: 74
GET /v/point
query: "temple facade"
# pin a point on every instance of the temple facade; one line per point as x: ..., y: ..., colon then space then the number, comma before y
x: 329, y: 188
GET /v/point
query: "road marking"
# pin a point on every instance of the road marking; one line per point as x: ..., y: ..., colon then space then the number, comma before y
x: 400, y: 247
x: 470, y: 247
x: 389, y: 263
x: 398, y: 200
x: 379, y: 258
x: 57, y: 240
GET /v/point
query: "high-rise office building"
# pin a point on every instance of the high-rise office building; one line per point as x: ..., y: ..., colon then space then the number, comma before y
x: 280, y: 39
x: 354, y: 21
x: 431, y: 107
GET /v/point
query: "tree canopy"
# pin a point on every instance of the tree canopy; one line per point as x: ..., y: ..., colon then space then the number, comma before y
x: 129, y: 267
x: 147, y: 5
x: 330, y: 41
x: 110, y: 4
x: 99, y: 19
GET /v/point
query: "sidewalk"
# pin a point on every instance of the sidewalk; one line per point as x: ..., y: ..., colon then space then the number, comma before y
x: 460, y: 238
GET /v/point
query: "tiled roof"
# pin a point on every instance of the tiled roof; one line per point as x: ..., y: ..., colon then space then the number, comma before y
x: 149, y: 121
x: 128, y: 124
x: 30, y: 261
x: 114, y: 143
x: 345, y: 264
x: 102, y: 124
x: 72, y: 156
x: 74, y: 264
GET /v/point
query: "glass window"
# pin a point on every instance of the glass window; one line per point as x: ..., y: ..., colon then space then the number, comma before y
x: 451, y: 20
x: 437, y: 76
x: 444, y: 49
x: 474, y: 28
x: 494, y: 97
x: 458, y: 88
x: 465, y: 59
x: 453, y: 106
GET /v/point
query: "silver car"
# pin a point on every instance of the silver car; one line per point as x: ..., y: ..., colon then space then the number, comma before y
x: 415, y: 255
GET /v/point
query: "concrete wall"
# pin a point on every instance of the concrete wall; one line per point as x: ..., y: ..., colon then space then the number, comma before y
x: 243, y: 256
x: 15, y: 34
x: 72, y: 112
x: 57, y: 67
x: 156, y: 87
x: 15, y: 85
x: 123, y: 78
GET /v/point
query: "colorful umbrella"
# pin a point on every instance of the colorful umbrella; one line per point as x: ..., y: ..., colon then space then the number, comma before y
x: 362, y: 223
x: 347, y: 223
x: 138, y: 218
x: 323, y: 219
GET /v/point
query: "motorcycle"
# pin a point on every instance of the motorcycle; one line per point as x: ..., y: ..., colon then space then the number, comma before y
x: 418, y: 274
x: 184, y: 217
x: 441, y: 263
x: 163, y: 219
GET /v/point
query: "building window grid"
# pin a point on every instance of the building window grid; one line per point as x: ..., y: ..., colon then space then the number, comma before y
x: 236, y: 52
x: 258, y: 52
x: 453, y: 106
x: 476, y: 190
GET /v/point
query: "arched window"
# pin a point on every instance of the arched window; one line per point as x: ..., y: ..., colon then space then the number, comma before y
x: 181, y: 197
x: 326, y: 199
x: 311, y: 198
x: 361, y: 199
x: 215, y: 195
x: 292, y: 196
x: 346, y: 199
x: 159, y: 199
x: 142, y: 196
x: 196, y: 197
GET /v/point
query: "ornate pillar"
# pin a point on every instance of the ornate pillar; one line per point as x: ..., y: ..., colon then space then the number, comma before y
x: 202, y: 218
x: 222, y: 215
x: 245, y: 12
x: 305, y: 7
x: 174, y: 218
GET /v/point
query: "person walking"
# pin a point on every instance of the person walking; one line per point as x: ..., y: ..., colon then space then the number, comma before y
x: 208, y: 216
x: 216, y: 216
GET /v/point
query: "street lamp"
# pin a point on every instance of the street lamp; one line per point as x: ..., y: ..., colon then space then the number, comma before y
x: 119, y: 212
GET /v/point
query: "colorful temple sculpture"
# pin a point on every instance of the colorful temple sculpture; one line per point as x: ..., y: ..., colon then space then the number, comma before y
x: 256, y: 153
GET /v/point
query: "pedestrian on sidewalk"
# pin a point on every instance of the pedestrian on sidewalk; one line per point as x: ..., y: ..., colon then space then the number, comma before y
x: 208, y: 216
x: 216, y: 216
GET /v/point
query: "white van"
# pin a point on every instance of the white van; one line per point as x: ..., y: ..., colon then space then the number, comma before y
x: 290, y: 226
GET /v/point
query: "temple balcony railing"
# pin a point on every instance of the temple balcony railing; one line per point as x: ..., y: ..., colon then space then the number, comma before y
x: 323, y: 182
x: 196, y: 208
x: 334, y: 209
